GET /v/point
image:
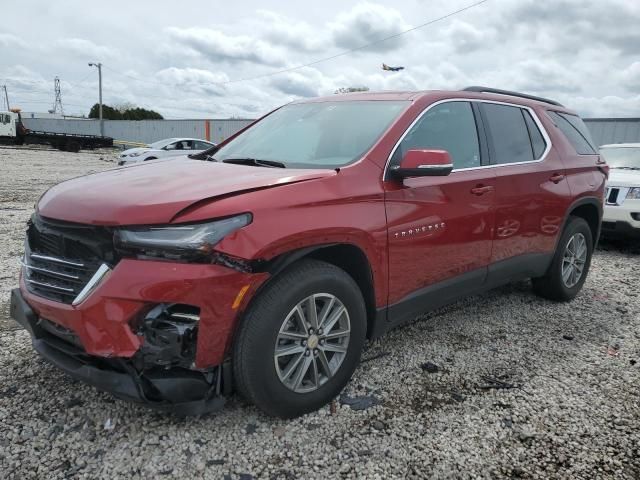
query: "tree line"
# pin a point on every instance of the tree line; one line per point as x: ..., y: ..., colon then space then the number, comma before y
x: 124, y: 112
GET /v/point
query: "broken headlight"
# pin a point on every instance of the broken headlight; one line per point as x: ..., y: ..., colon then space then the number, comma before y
x: 190, y: 242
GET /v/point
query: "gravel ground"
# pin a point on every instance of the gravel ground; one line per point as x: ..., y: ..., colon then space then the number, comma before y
x: 499, y: 385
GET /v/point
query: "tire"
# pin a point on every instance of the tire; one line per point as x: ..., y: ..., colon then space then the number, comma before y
x: 257, y: 371
x: 552, y: 285
x: 73, y: 146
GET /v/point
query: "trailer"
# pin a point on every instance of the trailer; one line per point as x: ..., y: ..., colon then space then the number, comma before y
x: 13, y: 132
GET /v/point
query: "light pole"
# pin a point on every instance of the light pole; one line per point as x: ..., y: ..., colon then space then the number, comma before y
x: 99, y: 67
x: 6, y: 97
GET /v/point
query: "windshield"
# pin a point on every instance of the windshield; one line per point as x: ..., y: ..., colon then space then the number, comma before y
x: 622, y: 157
x: 161, y: 143
x: 314, y: 135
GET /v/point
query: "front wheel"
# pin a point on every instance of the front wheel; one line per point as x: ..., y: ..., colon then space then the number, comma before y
x: 300, y: 340
x: 570, y: 265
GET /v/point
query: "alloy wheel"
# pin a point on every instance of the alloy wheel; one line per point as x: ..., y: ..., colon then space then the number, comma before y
x: 574, y: 260
x: 312, y: 342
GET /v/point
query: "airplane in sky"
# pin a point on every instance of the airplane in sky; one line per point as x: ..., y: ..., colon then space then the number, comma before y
x: 391, y: 69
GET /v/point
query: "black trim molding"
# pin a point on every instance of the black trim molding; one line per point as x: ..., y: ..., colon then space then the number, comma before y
x: 470, y: 283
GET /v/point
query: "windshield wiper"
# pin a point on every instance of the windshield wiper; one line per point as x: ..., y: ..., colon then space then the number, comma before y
x: 255, y: 161
x: 627, y: 168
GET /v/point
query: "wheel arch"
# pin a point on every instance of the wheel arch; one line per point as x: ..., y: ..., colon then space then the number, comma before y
x: 346, y: 256
x: 589, y: 209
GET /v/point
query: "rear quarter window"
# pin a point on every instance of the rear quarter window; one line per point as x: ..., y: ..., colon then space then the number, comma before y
x: 538, y: 143
x: 575, y: 131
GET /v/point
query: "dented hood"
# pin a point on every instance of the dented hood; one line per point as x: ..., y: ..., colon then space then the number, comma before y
x: 156, y: 193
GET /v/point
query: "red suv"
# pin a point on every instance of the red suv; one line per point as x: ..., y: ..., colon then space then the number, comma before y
x: 263, y: 265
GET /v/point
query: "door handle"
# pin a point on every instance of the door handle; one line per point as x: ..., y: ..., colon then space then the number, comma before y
x: 556, y: 177
x: 481, y: 189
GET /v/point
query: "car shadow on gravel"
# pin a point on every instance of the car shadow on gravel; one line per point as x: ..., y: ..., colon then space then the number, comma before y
x: 510, y: 351
x: 622, y: 245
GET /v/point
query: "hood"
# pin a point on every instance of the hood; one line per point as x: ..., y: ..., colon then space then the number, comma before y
x: 619, y: 177
x: 155, y: 194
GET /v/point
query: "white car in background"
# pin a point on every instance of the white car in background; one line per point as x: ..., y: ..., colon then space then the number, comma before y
x: 163, y: 149
x: 622, y: 197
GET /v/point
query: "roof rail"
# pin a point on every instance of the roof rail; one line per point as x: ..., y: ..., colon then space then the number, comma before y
x: 513, y: 94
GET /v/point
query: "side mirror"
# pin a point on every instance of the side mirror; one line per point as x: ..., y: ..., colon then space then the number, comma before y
x: 424, y: 163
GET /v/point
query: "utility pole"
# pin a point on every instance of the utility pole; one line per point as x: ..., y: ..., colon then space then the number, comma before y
x: 99, y: 67
x: 6, y: 97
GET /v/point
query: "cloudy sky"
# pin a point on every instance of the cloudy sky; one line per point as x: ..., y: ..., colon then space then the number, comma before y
x: 198, y: 59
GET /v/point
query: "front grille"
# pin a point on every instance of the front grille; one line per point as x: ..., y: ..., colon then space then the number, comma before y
x: 616, y: 195
x: 612, y: 196
x: 60, y: 258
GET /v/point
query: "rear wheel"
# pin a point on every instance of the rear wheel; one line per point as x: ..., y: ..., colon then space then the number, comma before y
x: 73, y: 146
x: 570, y: 265
x: 300, y: 340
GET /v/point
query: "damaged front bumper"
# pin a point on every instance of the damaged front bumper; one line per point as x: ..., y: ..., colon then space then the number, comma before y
x: 180, y: 390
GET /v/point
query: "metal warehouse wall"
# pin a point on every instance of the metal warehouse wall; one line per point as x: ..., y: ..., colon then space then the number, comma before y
x: 614, y: 130
x: 603, y: 130
x: 142, y: 131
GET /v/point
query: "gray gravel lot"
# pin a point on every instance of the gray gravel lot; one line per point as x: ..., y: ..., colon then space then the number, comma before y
x: 499, y: 385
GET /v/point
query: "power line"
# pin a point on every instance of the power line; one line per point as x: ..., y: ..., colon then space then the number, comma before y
x: 49, y: 103
x: 82, y: 80
x: 277, y: 72
x: 320, y: 60
x: 367, y: 45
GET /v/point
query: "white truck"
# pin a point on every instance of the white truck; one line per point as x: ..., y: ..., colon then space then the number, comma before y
x: 621, y: 215
x: 13, y: 132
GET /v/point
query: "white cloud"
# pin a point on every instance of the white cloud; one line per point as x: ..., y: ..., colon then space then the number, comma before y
x: 630, y: 76
x: 535, y: 76
x: 467, y: 38
x: 8, y: 40
x: 217, y: 46
x: 195, y: 79
x: 19, y: 76
x: 580, y: 52
x: 607, y: 106
x: 81, y: 47
x: 287, y: 32
x: 366, y: 23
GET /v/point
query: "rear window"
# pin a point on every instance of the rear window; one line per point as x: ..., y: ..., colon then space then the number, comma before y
x: 575, y: 131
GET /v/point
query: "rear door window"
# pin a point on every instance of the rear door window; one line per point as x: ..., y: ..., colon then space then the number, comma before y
x: 509, y: 134
x: 449, y: 126
x: 576, y: 132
